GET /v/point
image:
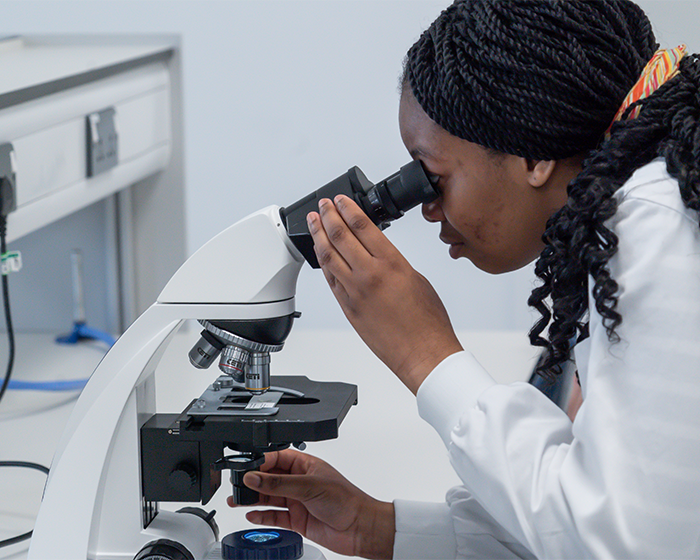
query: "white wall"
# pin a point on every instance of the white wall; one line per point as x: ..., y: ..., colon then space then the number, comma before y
x: 281, y: 97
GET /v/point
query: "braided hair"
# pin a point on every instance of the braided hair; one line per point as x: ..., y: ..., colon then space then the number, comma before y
x: 579, y: 245
x: 543, y: 79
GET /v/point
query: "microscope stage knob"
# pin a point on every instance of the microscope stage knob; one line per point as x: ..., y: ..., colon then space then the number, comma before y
x: 182, y: 477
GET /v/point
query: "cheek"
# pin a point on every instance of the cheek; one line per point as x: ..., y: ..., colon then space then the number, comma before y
x: 494, y: 225
x: 478, y: 216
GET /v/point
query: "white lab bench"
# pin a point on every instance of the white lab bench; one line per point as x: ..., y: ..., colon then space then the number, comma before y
x: 383, y: 446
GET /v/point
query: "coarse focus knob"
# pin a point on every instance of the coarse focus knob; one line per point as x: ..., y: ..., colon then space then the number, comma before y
x: 164, y: 549
x: 206, y: 516
x: 182, y: 477
x: 262, y: 544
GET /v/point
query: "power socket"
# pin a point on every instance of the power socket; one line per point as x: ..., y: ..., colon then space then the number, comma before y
x: 8, y: 179
x: 102, y: 141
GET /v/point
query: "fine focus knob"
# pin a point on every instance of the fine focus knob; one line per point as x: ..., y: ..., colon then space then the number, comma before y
x: 262, y: 544
x: 182, y: 477
x: 164, y: 549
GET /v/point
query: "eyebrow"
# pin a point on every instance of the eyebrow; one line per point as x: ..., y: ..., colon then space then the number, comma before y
x: 419, y: 151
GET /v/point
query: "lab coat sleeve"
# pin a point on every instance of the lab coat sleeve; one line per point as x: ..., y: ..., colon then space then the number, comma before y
x: 623, y: 480
x: 424, y: 531
x: 459, y: 528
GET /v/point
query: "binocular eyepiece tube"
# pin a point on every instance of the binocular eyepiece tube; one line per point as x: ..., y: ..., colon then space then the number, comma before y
x: 383, y: 202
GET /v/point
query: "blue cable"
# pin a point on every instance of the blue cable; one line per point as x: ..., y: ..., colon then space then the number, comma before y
x: 80, y: 332
x: 66, y: 385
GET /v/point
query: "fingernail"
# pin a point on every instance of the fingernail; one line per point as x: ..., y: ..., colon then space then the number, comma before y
x: 339, y: 200
x: 252, y: 480
x: 311, y: 221
x: 323, y: 204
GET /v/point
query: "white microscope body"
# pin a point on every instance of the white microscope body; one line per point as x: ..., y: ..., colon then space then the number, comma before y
x: 92, y: 506
x: 96, y: 504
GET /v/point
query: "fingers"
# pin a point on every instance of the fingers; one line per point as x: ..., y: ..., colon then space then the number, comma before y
x: 344, y: 237
x: 326, y: 253
x: 287, y: 461
x: 296, y: 487
x: 282, y: 477
x: 271, y: 518
x: 362, y: 228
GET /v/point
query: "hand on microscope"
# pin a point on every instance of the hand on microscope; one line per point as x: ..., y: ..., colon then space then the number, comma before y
x: 392, y: 307
x: 322, y: 505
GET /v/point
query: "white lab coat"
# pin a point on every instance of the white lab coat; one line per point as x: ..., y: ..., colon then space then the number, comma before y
x: 622, y: 481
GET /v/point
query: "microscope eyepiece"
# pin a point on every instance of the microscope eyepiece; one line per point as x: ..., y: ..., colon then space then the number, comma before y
x: 389, y: 199
x: 383, y: 202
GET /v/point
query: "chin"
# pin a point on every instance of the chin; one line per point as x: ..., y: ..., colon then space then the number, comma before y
x: 491, y: 268
x: 499, y: 267
x: 486, y: 264
x: 456, y: 251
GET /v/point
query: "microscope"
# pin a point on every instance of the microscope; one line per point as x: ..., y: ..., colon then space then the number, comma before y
x: 118, y: 458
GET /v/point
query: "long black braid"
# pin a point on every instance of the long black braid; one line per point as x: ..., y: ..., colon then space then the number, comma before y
x: 579, y: 245
x: 543, y: 79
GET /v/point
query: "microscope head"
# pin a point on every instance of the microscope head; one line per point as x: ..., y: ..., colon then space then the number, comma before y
x: 383, y: 202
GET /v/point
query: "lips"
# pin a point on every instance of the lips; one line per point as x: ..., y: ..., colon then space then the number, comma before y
x: 447, y: 241
x: 455, y: 244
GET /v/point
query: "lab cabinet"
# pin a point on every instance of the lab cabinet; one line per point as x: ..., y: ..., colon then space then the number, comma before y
x: 49, y: 137
x: 57, y: 90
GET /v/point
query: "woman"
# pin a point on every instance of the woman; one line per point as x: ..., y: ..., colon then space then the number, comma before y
x: 509, y: 104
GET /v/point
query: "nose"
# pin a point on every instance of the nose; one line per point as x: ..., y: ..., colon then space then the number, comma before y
x: 432, y: 211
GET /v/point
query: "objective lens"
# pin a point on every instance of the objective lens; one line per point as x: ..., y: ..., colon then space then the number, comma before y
x: 233, y: 361
x: 205, y: 351
x: 257, y: 376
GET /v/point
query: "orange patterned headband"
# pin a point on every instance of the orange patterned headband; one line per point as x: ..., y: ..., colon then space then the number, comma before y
x: 662, y: 67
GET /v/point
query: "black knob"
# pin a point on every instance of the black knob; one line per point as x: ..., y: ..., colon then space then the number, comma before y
x: 242, y: 495
x: 182, y: 477
x: 239, y: 465
x: 207, y: 516
x: 164, y: 549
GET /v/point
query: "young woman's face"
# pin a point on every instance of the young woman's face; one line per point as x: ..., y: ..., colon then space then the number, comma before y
x: 488, y: 209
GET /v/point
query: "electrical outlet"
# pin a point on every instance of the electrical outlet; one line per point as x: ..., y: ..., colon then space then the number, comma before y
x: 8, y: 179
x: 102, y: 141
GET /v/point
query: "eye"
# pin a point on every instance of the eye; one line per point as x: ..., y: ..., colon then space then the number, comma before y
x: 434, y: 179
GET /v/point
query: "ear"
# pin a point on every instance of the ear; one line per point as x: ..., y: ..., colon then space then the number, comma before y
x: 539, y: 171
